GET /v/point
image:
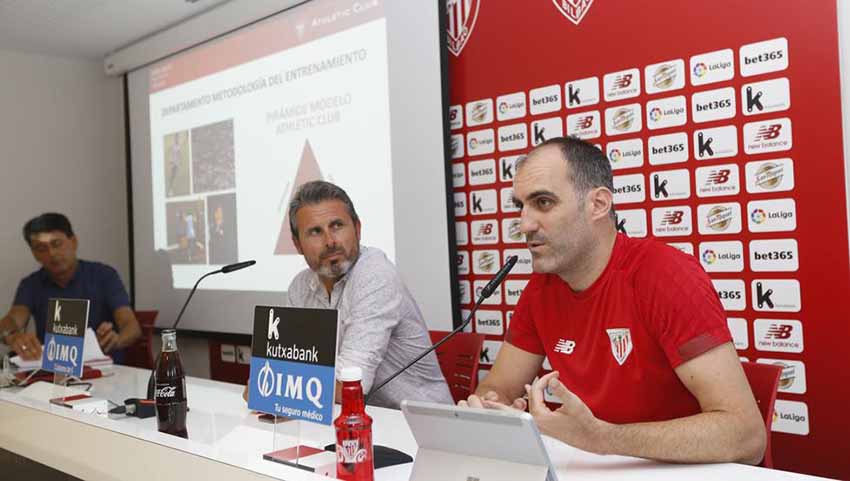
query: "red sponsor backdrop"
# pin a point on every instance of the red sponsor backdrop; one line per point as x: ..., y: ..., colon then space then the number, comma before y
x: 504, y: 47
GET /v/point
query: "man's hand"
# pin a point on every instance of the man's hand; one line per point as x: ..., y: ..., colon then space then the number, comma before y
x: 26, y: 345
x: 107, y: 337
x: 490, y: 400
x: 245, y: 392
x: 572, y: 423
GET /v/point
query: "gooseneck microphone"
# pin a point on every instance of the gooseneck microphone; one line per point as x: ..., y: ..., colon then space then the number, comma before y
x: 235, y: 267
x: 224, y: 270
x: 488, y: 291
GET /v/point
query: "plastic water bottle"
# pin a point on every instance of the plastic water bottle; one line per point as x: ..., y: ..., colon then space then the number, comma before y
x: 353, y: 431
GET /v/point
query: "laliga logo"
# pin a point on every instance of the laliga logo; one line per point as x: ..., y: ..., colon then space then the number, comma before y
x: 270, y: 382
x: 700, y: 69
x: 62, y: 352
x: 655, y: 114
x: 709, y: 256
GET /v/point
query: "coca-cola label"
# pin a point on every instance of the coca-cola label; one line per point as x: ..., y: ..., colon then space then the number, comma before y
x: 170, y: 392
x: 166, y: 391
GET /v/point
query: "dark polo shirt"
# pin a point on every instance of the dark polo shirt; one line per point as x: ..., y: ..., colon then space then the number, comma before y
x: 97, y: 282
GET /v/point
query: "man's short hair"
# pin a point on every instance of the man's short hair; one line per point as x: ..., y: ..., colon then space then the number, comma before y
x: 315, y: 192
x: 47, y: 222
x: 589, y: 167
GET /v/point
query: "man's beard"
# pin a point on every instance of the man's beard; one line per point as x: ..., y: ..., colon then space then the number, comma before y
x: 337, y: 269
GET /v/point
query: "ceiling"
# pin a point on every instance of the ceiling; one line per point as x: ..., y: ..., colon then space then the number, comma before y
x: 88, y: 28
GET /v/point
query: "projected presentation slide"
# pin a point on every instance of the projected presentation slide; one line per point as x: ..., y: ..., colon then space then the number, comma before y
x: 239, y: 124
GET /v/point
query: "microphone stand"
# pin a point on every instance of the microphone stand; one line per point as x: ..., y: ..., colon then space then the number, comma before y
x: 429, y: 350
x: 485, y: 293
x: 224, y: 270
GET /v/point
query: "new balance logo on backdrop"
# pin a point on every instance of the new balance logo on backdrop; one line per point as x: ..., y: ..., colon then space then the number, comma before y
x: 767, y: 136
x: 779, y: 331
x: 718, y: 180
x: 778, y: 335
x: 671, y: 221
x: 672, y: 218
x: 768, y: 132
x: 622, y: 81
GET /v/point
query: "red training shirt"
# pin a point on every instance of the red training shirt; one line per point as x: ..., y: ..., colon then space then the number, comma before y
x: 616, y: 343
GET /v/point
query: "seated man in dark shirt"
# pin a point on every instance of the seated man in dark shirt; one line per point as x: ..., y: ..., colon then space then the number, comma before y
x: 62, y: 275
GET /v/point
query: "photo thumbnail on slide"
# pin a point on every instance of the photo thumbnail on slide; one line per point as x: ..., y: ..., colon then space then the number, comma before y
x: 176, y: 167
x: 187, y: 232
x: 213, y: 162
x: 221, y: 211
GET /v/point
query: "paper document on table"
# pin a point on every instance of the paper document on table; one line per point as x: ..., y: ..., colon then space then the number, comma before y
x: 92, y: 354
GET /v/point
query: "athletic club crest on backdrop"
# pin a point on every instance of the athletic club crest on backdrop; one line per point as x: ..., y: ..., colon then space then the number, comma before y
x: 462, y: 15
x: 574, y: 10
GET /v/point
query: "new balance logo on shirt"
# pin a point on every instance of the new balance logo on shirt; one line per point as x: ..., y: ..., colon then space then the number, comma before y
x: 565, y: 346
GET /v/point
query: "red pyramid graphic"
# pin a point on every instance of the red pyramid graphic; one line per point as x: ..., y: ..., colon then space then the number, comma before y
x: 308, y: 170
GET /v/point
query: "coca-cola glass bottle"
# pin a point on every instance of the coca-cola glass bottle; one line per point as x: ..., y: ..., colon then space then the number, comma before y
x: 353, y: 431
x: 170, y: 391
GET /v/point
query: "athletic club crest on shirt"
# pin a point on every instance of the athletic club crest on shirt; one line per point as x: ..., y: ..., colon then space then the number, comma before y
x: 462, y: 15
x: 621, y: 344
x: 574, y: 10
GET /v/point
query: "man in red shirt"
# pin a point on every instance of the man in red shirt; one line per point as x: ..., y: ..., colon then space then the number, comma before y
x: 641, y: 355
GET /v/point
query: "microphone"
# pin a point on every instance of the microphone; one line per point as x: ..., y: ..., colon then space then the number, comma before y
x: 235, y: 267
x: 488, y: 291
x: 224, y: 270
x: 491, y: 286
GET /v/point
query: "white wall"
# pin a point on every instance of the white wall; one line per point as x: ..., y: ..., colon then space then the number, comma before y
x: 61, y: 149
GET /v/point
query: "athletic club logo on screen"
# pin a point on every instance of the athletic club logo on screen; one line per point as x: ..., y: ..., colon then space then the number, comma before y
x: 461, y: 21
x: 574, y: 10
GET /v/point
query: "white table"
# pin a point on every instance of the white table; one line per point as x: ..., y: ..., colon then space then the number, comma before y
x: 226, y: 441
